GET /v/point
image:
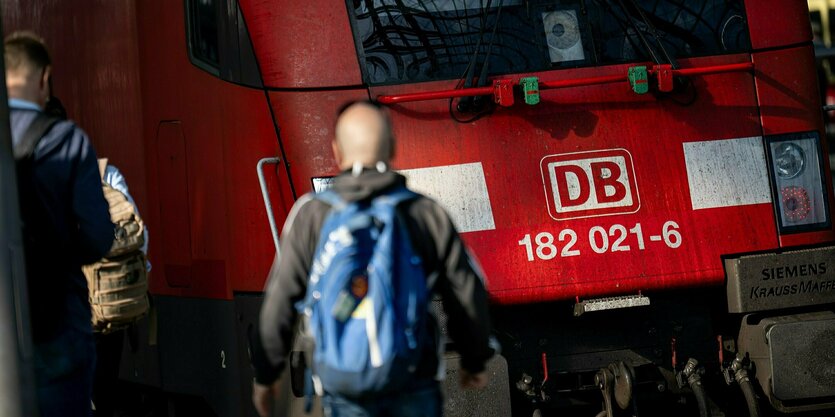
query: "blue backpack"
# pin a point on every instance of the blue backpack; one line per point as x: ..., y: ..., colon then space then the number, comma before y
x: 367, y: 298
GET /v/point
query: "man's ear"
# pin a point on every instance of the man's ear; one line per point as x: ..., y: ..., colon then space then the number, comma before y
x: 45, y: 83
x: 337, y: 153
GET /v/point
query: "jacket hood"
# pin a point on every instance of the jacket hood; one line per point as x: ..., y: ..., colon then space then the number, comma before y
x: 368, y: 184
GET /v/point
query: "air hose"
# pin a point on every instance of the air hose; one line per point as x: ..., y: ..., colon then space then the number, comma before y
x: 694, y: 379
x: 741, y: 377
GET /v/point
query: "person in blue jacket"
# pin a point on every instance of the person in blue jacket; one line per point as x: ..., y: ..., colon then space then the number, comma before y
x: 70, y: 227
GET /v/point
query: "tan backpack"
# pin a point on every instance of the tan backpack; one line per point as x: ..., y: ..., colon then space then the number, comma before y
x: 118, y: 283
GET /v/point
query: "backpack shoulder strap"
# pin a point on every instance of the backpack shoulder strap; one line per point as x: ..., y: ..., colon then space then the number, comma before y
x: 32, y: 136
x: 331, y: 198
x: 396, y: 196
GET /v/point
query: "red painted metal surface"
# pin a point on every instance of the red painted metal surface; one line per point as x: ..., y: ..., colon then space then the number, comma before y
x: 789, y: 98
x: 664, y: 76
x: 511, y: 142
x: 775, y: 23
x: 307, y: 120
x: 302, y: 44
x: 93, y: 45
x: 172, y: 187
x: 503, y: 92
x: 203, y: 139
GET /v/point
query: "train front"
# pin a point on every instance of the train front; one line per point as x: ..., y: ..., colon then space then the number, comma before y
x: 644, y: 182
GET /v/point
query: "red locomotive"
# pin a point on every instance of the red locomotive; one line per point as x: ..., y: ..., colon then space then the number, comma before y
x: 643, y: 181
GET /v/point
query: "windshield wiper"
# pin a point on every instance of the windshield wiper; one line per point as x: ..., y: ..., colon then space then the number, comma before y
x: 651, y: 29
x: 469, y: 75
x: 654, y: 33
x: 476, y: 104
x: 482, y: 76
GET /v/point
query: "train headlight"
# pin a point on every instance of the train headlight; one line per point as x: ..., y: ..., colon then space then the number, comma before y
x: 798, y: 182
x: 789, y: 160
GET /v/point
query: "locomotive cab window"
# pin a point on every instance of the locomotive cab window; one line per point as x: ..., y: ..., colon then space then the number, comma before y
x: 401, y: 41
x: 202, y: 29
x: 219, y: 43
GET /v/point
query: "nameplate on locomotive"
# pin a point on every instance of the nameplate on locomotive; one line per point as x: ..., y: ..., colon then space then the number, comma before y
x: 774, y: 281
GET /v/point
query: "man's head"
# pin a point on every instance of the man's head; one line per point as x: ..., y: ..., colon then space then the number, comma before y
x: 363, y: 136
x: 28, y: 67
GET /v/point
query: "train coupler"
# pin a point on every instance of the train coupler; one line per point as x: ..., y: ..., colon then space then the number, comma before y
x: 617, y: 384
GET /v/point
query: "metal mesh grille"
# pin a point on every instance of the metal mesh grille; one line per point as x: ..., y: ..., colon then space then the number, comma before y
x: 821, y: 364
x: 803, y: 359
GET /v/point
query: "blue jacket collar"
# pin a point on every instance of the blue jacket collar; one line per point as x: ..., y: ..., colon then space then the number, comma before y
x: 21, y: 104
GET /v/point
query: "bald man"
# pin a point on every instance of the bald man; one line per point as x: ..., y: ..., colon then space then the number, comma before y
x: 363, y: 147
x: 363, y: 138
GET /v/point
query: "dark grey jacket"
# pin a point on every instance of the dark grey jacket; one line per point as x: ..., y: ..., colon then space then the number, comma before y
x: 433, y: 236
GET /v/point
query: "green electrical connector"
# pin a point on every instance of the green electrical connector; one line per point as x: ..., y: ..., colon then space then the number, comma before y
x: 530, y: 89
x: 638, y: 79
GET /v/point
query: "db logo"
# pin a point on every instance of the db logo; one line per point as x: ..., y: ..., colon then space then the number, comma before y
x: 588, y: 184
